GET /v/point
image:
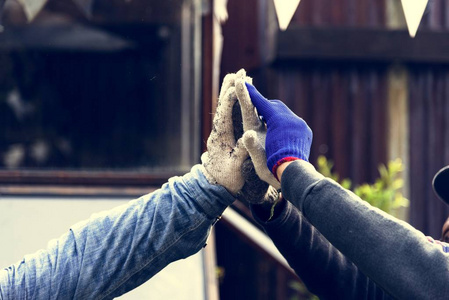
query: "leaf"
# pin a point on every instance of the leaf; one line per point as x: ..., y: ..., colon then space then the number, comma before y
x: 346, y: 183
x: 383, y: 171
x: 383, y: 193
x: 397, y: 184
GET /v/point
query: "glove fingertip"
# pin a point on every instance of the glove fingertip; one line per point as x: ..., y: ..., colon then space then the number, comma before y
x: 259, y: 101
x: 241, y: 73
x: 249, y: 139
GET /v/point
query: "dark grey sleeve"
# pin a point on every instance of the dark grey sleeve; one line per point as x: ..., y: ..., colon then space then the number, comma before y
x: 324, y: 270
x: 389, y: 251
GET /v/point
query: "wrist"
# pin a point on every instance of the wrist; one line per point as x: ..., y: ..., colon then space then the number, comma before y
x: 280, y: 169
x: 281, y: 162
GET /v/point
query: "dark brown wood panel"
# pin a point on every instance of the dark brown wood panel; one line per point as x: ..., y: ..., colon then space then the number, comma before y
x: 85, y: 178
x: 345, y: 105
x: 429, y: 151
x: 362, y: 45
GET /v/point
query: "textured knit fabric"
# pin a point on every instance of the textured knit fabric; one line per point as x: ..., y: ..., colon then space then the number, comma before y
x: 287, y: 134
x: 390, y: 252
x: 115, y: 251
x: 324, y: 270
x: 254, y: 133
x: 225, y: 153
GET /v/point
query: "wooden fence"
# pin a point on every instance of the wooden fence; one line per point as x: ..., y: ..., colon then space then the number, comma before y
x: 337, y: 79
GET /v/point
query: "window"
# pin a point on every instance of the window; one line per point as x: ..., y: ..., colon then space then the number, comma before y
x: 100, y: 86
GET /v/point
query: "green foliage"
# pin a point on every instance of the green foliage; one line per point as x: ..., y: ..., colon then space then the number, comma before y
x: 384, y: 193
x: 301, y: 292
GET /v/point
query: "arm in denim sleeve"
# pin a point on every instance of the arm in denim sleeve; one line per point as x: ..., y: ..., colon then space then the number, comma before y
x: 389, y: 251
x: 115, y: 251
x: 324, y: 270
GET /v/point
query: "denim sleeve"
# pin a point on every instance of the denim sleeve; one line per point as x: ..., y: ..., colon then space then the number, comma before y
x: 389, y: 251
x: 325, y: 271
x: 115, y: 251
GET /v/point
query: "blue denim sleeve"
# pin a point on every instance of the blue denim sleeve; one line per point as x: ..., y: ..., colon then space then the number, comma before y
x: 115, y: 251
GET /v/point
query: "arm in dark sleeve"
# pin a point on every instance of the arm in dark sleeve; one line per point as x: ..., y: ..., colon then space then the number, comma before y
x: 325, y: 271
x: 389, y: 251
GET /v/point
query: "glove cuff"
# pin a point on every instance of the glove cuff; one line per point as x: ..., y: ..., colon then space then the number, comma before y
x: 280, y: 162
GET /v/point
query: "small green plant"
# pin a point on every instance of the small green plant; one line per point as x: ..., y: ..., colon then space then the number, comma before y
x: 301, y: 292
x: 384, y: 193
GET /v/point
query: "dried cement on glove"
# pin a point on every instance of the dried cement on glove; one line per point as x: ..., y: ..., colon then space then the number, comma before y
x: 254, y: 189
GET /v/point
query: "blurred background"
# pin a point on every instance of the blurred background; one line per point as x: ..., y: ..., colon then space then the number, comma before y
x: 103, y: 101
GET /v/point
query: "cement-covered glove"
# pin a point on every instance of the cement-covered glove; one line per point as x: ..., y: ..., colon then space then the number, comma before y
x: 255, y: 134
x: 254, y: 190
x: 225, y: 154
x: 288, y: 136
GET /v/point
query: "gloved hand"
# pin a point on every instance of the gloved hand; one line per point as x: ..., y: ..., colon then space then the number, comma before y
x: 225, y: 155
x: 288, y: 136
x: 254, y: 134
x: 256, y: 191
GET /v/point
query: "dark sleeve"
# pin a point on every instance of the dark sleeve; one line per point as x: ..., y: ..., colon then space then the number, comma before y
x: 324, y: 270
x: 389, y: 251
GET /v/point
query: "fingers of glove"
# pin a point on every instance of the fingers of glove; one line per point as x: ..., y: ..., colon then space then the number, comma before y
x: 265, y: 175
x: 239, y: 153
x: 281, y: 109
x: 272, y: 194
x: 254, y: 189
x: 263, y: 105
x: 223, y: 131
x: 228, y: 81
x: 241, y: 75
x: 254, y: 143
x: 250, y: 118
x: 251, y: 143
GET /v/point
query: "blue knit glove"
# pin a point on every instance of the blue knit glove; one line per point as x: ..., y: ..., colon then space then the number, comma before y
x: 288, y: 136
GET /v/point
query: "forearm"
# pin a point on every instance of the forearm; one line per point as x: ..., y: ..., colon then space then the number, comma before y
x: 324, y: 270
x: 115, y: 251
x: 389, y: 251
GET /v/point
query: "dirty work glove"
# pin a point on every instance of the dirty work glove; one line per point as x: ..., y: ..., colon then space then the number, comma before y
x: 288, y: 136
x: 254, y: 191
x: 223, y: 160
x: 255, y: 134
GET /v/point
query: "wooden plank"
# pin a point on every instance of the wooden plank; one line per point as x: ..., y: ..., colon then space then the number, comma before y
x: 70, y: 190
x: 337, y: 11
x: 321, y: 114
x: 340, y: 119
x: 241, y: 46
x: 87, y: 178
x: 362, y: 44
x: 398, y: 126
x: 378, y: 103
x: 207, y: 78
x: 359, y: 131
x: 418, y: 153
x: 435, y: 101
x: 377, y: 15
